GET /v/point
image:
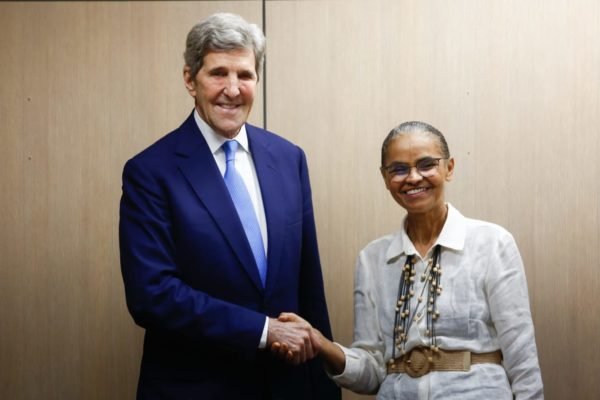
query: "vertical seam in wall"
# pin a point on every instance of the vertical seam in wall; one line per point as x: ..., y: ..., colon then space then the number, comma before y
x: 264, y: 71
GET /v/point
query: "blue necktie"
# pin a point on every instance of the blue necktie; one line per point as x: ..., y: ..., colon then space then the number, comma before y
x: 245, y: 209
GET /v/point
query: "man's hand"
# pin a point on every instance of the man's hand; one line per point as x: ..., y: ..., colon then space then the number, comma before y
x: 332, y: 354
x: 292, y: 339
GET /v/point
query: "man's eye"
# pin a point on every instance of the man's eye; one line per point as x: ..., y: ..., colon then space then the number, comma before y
x: 246, y: 76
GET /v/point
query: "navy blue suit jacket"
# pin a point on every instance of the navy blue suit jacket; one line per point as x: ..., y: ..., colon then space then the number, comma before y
x: 191, y: 280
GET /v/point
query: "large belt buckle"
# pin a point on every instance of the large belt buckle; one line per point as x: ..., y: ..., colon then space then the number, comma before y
x: 417, y: 362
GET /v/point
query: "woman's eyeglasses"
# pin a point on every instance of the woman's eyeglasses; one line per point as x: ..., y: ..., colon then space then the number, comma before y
x: 426, y: 167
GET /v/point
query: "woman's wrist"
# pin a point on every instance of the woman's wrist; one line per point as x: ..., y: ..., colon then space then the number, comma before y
x: 333, y: 356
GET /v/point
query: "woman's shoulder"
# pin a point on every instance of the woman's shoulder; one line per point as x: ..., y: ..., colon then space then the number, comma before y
x: 382, y: 245
x: 487, y: 230
x: 479, y: 228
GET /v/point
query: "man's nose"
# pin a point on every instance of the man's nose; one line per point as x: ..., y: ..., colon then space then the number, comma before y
x: 232, y: 86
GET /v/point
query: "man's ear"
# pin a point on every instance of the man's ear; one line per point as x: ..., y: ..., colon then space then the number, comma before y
x: 189, y: 81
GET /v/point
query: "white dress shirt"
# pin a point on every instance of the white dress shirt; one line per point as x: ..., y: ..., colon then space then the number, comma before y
x: 484, y: 306
x: 245, y: 167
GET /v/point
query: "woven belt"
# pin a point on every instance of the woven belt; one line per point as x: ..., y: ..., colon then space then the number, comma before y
x: 421, y: 360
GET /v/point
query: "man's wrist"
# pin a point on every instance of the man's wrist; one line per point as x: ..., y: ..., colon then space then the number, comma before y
x: 263, y: 338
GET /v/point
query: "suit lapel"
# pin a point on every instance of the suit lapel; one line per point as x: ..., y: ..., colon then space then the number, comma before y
x: 198, y: 166
x: 269, y: 179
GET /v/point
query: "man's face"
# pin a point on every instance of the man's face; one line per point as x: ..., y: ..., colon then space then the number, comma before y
x: 224, y: 89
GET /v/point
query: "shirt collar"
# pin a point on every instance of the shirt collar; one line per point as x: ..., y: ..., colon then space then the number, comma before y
x: 214, y: 140
x: 452, y: 236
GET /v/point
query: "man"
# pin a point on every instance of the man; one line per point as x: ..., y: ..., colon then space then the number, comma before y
x: 209, y: 263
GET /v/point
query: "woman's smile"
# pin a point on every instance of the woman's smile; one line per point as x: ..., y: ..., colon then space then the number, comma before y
x: 416, y: 191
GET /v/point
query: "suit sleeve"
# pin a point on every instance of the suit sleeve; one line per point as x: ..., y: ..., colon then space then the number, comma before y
x: 157, y: 297
x: 313, y: 305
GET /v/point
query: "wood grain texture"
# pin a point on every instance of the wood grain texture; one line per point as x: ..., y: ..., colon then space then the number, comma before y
x: 84, y: 86
x: 516, y: 89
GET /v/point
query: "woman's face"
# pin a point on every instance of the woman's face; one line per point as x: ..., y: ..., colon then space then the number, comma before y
x: 415, y: 193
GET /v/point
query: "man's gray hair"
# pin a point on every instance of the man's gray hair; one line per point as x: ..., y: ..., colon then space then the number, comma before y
x: 223, y: 32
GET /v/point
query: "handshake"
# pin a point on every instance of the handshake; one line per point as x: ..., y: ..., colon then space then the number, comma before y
x: 293, y: 339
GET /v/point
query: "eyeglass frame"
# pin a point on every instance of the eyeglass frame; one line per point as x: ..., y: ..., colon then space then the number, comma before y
x: 410, y: 167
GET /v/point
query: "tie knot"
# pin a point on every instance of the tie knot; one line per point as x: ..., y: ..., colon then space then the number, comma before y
x: 230, y: 147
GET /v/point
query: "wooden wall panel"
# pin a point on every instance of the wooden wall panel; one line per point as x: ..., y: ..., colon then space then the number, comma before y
x: 514, y: 85
x: 83, y: 87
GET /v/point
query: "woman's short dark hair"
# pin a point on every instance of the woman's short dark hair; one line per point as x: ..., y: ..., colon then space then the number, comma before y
x: 414, y: 127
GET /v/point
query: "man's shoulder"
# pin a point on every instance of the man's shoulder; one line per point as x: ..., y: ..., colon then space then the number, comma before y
x: 269, y: 138
x: 164, y: 146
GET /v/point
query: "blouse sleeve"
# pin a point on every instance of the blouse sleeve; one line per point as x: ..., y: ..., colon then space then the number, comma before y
x: 365, y: 367
x: 506, y: 288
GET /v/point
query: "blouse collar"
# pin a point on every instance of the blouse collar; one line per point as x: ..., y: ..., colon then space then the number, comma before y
x: 452, y: 236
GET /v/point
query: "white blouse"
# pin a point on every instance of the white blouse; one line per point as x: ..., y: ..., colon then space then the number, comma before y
x: 484, y: 306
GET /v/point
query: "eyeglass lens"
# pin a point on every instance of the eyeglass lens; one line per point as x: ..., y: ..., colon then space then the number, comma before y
x: 425, y: 167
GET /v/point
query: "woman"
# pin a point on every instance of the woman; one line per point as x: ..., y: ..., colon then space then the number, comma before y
x: 449, y: 291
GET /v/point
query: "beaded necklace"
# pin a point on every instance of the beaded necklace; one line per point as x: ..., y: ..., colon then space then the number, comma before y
x: 404, y: 314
